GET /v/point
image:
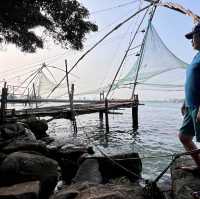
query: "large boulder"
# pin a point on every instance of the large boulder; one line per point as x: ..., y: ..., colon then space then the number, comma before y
x: 11, y: 130
x: 67, y: 151
x: 15, y: 137
x: 21, y: 167
x: 38, y: 127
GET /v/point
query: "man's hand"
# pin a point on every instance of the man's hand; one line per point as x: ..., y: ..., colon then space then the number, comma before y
x: 198, y: 116
x: 183, y: 109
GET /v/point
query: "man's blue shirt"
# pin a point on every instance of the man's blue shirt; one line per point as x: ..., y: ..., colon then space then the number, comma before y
x: 192, y: 84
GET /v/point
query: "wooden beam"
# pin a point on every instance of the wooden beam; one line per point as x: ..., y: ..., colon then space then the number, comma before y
x: 178, y: 8
x: 181, y: 9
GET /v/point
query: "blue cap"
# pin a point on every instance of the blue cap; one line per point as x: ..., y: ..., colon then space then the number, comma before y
x: 196, y: 29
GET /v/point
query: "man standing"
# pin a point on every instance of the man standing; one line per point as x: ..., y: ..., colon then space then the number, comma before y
x: 191, y: 107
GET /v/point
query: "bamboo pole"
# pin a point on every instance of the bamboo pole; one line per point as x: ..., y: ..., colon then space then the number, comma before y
x: 4, y: 103
x: 72, y: 110
x: 34, y: 92
x: 106, y: 116
x: 101, y: 112
x: 70, y: 93
x: 135, y: 113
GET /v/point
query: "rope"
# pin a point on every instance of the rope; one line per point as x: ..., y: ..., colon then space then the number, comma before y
x: 141, y: 53
x: 111, y: 8
x: 119, y: 165
x: 103, y: 82
x: 122, y: 62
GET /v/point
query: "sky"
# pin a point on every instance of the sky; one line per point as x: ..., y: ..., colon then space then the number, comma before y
x: 100, y: 66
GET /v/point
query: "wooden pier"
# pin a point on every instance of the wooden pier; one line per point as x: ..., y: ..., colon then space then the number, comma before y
x: 70, y: 110
x: 64, y: 111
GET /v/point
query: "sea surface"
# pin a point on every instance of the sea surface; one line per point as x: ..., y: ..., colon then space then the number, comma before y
x: 156, y: 136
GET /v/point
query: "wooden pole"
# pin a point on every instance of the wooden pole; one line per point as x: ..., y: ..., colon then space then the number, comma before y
x: 101, y: 112
x: 106, y: 116
x: 3, y: 103
x: 73, y: 119
x: 72, y: 110
x: 34, y: 92
x: 29, y: 97
x: 13, y: 95
x: 135, y: 113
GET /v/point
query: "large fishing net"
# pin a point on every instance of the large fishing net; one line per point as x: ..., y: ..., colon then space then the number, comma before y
x: 45, y: 86
x: 156, y: 59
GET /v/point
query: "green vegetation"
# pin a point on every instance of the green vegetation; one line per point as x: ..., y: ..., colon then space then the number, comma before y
x: 63, y: 20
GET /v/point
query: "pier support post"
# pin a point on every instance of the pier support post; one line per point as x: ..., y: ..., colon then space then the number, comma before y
x: 101, y: 116
x: 101, y: 112
x: 71, y: 99
x: 106, y: 116
x: 4, y: 95
x: 35, y: 95
x: 72, y: 110
x: 135, y: 112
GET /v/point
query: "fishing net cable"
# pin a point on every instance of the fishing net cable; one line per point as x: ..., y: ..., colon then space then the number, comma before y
x: 101, y: 40
x: 157, y: 59
x: 126, y: 53
x: 120, y: 42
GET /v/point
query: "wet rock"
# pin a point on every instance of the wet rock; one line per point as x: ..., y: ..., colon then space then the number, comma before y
x: 23, y: 143
x: 67, y: 152
x: 183, y: 182
x: 11, y: 130
x: 15, y: 137
x: 110, y: 169
x: 38, y: 127
x: 88, y: 171
x: 20, y: 166
x: 2, y: 157
x: 27, y: 190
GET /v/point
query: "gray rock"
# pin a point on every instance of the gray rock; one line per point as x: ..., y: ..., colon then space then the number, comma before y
x: 14, y: 137
x: 38, y: 127
x: 11, y: 130
x: 27, y: 190
x: 19, y: 166
x: 88, y: 171
x: 98, y: 191
x: 183, y: 182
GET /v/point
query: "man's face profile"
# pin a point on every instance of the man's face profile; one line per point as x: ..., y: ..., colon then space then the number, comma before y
x: 196, y: 41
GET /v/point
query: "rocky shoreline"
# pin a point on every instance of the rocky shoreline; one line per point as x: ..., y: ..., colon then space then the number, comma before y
x: 33, y: 165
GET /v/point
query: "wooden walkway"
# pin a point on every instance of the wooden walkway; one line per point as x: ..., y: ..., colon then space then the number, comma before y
x: 64, y: 111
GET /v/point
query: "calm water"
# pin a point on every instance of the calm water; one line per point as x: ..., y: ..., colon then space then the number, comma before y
x: 156, y: 136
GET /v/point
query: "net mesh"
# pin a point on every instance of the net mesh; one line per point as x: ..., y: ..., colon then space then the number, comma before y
x: 46, y: 85
x: 157, y: 59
